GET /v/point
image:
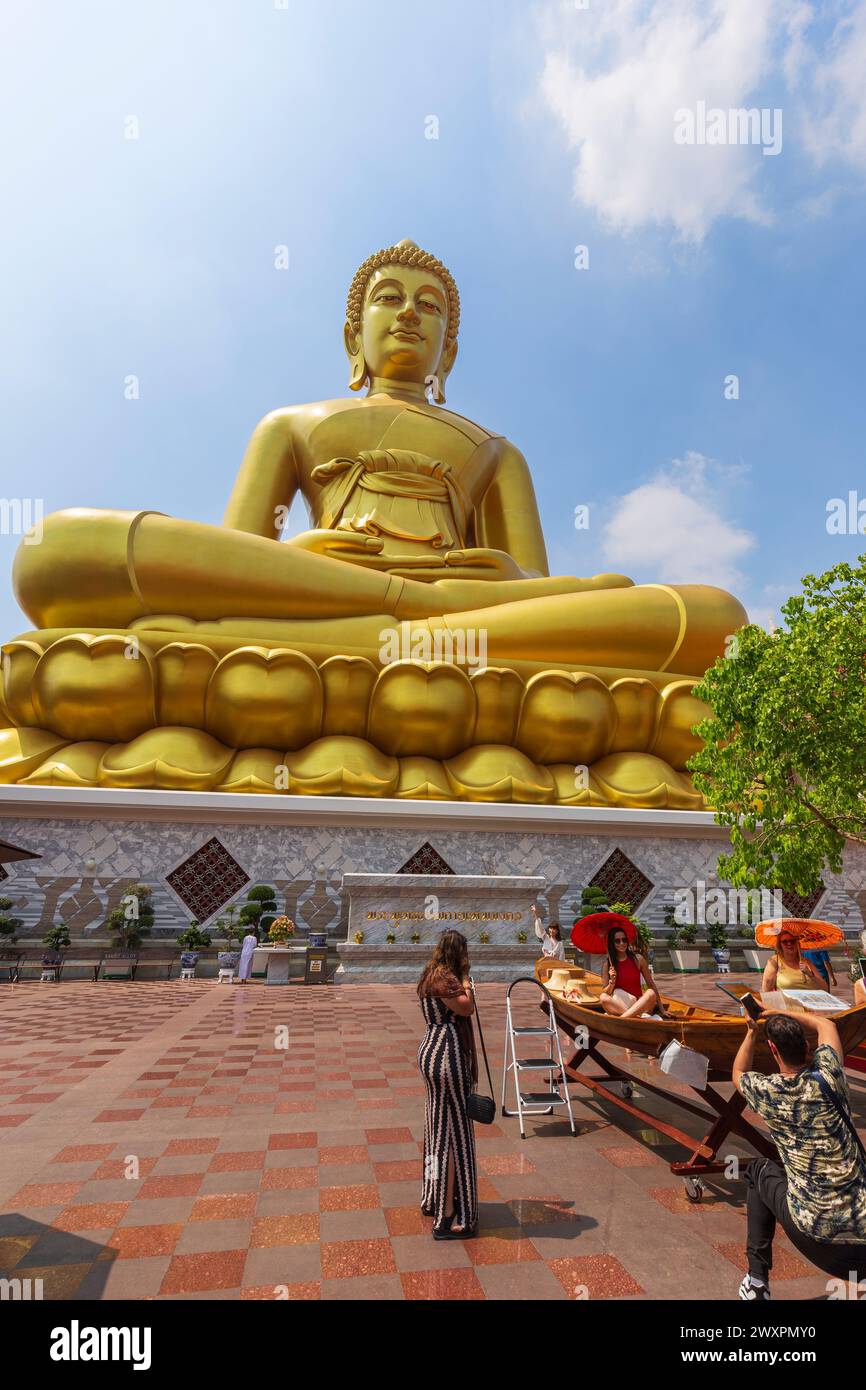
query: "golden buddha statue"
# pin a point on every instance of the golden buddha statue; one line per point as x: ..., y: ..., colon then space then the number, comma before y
x: 169, y: 653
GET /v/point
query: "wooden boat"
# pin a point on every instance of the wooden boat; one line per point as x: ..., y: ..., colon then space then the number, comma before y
x: 715, y: 1034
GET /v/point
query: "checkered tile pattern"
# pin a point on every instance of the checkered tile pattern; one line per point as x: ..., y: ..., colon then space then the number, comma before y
x: 204, y: 1141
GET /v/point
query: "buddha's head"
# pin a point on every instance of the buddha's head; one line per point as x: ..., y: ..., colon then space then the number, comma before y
x: 402, y: 317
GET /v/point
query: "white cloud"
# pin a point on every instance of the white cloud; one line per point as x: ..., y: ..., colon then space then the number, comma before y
x: 616, y: 73
x: 671, y: 529
x: 837, y: 131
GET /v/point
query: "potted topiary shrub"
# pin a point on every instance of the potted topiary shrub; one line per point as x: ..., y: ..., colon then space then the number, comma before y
x: 415, y: 938
x: 681, y: 944
x: 233, y: 932
x: 191, y: 941
x: 8, y: 925
x: 391, y: 937
x: 56, y: 940
x: 132, y: 919
x: 484, y: 937
x: 260, y: 907
x: 718, y: 942
x: 521, y: 936
x: 57, y: 937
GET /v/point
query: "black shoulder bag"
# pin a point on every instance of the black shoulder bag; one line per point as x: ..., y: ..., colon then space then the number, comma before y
x: 481, y: 1108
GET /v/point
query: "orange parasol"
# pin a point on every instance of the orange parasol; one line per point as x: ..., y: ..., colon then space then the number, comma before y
x: 811, y: 932
x: 590, y: 933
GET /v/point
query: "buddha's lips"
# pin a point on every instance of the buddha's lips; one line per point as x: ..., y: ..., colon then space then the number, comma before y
x: 407, y: 333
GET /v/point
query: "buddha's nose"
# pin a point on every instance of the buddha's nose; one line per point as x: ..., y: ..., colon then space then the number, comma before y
x: 409, y: 313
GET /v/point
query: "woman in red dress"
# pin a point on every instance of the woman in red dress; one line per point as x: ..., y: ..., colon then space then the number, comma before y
x: 627, y: 975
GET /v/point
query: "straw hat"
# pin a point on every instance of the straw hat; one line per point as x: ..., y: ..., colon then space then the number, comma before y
x: 559, y: 980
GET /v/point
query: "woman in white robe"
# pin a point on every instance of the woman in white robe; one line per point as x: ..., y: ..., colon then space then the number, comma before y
x: 245, y: 965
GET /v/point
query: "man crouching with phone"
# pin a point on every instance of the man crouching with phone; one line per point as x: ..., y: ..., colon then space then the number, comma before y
x: 818, y: 1191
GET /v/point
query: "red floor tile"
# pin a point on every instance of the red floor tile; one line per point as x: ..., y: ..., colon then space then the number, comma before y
x: 204, y: 1273
x: 442, y: 1284
x: 346, y: 1258
x: 407, y: 1221
x: 91, y: 1216
x: 594, y: 1276
x: 388, y: 1136
x: 293, y: 1229
x: 291, y: 1293
x: 307, y: 1140
x: 223, y: 1206
x: 136, y: 1242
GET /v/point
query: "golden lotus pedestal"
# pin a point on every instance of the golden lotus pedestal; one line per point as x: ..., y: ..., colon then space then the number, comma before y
x: 135, y: 710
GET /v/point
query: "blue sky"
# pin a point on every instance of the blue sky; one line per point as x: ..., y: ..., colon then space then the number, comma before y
x: 305, y: 126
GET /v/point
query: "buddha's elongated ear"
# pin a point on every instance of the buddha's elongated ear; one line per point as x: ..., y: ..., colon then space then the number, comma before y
x: 446, y: 362
x: 359, y: 375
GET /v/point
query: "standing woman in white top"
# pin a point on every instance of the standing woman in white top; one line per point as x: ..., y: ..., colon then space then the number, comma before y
x: 551, y: 939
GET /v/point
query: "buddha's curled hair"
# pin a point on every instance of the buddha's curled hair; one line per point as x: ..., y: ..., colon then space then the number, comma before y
x: 404, y: 253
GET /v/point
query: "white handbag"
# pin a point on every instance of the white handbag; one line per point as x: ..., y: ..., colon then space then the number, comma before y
x: 684, y: 1064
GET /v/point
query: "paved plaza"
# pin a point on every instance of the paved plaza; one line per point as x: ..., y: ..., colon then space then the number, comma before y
x: 159, y: 1141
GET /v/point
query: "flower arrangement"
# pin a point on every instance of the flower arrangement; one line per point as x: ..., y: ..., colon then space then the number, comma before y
x: 281, y: 930
x: 484, y: 937
x: 358, y: 938
x: 521, y: 936
x: 391, y: 936
x: 415, y: 938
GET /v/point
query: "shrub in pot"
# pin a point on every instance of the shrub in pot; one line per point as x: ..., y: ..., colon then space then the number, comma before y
x: 132, y: 919
x: 8, y: 925
x: 718, y: 942
x: 681, y: 943
x: 191, y: 941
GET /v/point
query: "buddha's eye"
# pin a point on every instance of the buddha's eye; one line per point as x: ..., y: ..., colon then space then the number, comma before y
x: 429, y: 304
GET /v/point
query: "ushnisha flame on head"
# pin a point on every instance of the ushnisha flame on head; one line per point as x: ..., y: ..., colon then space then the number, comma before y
x: 404, y: 253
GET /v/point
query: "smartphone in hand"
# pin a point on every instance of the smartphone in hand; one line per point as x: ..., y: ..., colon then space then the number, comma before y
x: 752, y: 1006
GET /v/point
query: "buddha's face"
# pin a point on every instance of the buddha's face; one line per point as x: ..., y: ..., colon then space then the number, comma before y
x: 404, y: 324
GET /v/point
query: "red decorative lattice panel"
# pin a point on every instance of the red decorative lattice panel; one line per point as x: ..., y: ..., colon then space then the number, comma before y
x: 622, y: 880
x: 207, y: 880
x: 796, y: 905
x: 426, y: 860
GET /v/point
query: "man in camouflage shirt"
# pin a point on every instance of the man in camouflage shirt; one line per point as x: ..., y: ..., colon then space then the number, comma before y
x: 818, y: 1191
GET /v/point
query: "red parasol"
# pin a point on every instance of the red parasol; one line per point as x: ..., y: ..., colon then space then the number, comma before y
x: 590, y: 933
x: 811, y: 932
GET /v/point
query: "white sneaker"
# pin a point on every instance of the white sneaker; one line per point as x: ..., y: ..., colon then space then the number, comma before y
x: 754, y: 1293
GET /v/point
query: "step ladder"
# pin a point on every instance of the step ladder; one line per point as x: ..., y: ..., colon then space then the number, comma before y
x: 534, y: 1102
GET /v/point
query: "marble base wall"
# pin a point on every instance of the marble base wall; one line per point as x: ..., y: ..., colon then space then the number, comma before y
x: 85, y: 861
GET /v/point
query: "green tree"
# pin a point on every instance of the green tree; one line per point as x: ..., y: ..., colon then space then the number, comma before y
x: 57, y: 937
x: 132, y: 919
x: 784, y: 757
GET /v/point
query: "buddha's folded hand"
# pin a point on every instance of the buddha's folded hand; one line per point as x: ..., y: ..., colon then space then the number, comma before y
x: 340, y: 545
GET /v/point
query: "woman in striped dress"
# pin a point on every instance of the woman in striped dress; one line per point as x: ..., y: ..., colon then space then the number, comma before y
x: 449, y: 1067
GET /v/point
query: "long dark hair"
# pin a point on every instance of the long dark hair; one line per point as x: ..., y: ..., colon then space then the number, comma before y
x: 611, y: 949
x: 450, y: 957
x: 554, y: 927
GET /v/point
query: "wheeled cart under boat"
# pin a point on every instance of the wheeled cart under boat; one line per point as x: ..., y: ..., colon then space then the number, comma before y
x: 714, y: 1034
